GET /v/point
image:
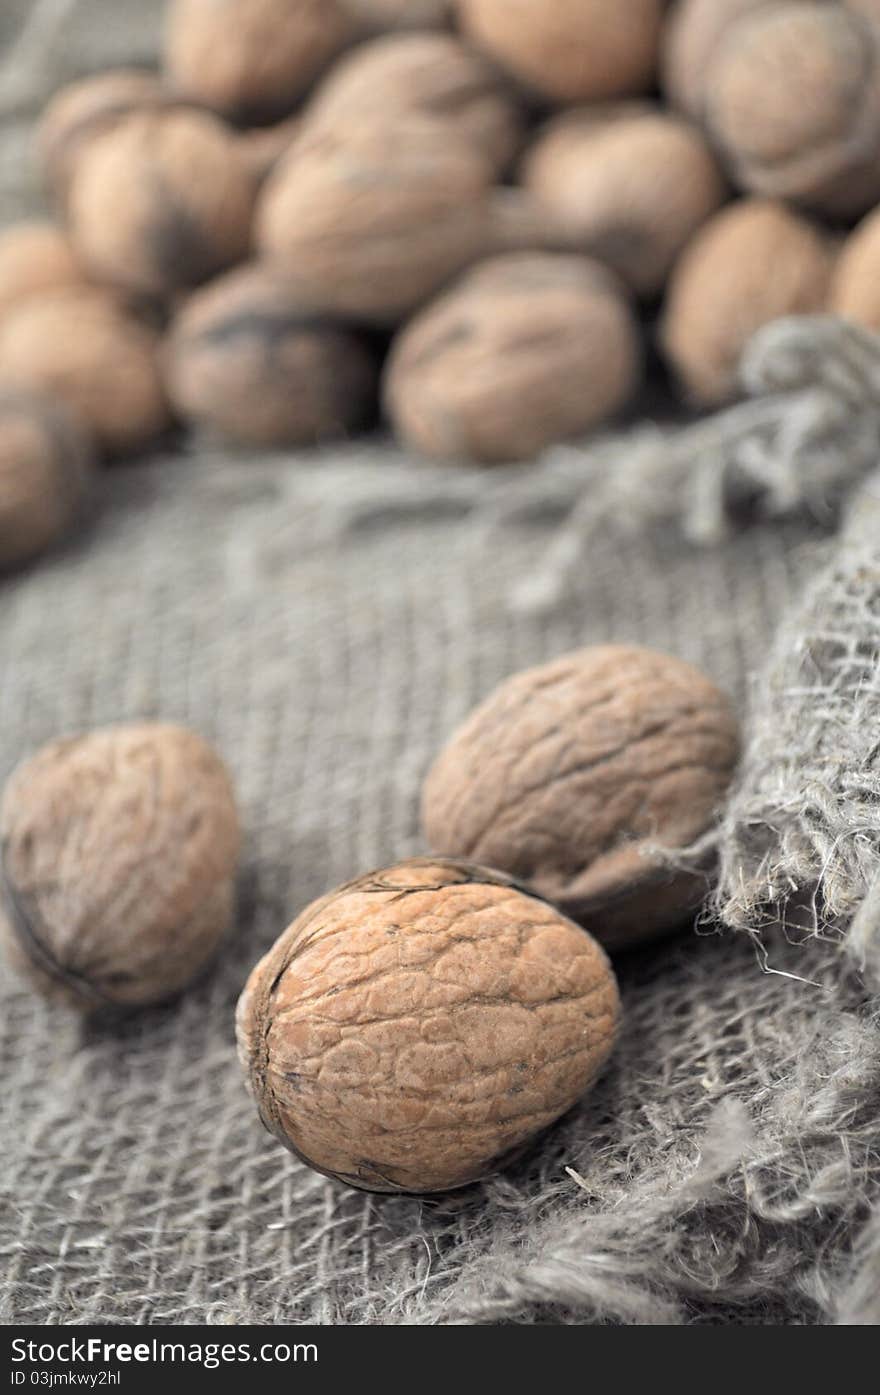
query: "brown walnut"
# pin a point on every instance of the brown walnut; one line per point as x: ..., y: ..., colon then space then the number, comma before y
x: 162, y: 202
x: 630, y: 184
x: 34, y: 257
x: 83, y: 348
x: 855, y: 281
x: 570, y: 50
x: 570, y: 775
x: 119, y: 852
x: 253, y: 59
x: 793, y: 103
x: 692, y: 36
x: 754, y: 262
x: 414, y: 1029
x: 246, y: 359
x: 525, y: 350
x: 431, y: 74
x: 46, y: 472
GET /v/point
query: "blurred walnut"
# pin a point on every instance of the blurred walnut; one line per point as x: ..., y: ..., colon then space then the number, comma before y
x: 430, y: 74
x: 246, y: 359
x: 631, y: 185
x: 46, y: 469
x: 262, y: 147
x: 399, y: 14
x: 793, y: 101
x: 570, y: 775
x: 752, y: 263
x: 119, y: 854
x: 253, y: 59
x: 570, y: 50
x: 693, y: 35
x: 83, y: 348
x: 855, y: 282
x: 34, y: 257
x: 525, y: 350
x: 413, y: 1030
x: 162, y: 202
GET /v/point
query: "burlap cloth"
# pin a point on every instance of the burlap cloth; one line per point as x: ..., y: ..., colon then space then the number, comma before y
x: 725, y: 1168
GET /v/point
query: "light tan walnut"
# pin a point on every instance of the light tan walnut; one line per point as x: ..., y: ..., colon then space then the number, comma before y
x: 46, y: 474
x: 855, y: 281
x: 571, y: 776
x: 34, y: 257
x: 414, y: 1029
x: 692, y: 36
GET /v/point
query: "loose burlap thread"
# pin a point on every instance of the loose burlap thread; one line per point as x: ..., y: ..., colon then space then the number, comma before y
x: 726, y: 1168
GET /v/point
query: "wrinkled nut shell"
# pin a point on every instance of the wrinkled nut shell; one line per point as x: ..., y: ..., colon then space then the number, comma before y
x: 525, y: 350
x: 46, y: 472
x: 118, y: 858
x: 414, y: 1029
x: 161, y: 203
x: 632, y: 187
x: 692, y: 36
x: 253, y: 59
x: 569, y: 776
x: 34, y: 257
x: 720, y: 292
x: 246, y: 359
x: 83, y: 348
x: 855, y: 282
x: 570, y: 50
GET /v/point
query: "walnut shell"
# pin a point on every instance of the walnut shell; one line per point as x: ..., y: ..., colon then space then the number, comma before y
x: 413, y: 1030
x: 793, y: 102
x: 246, y: 359
x: 570, y: 50
x: 855, y: 281
x: 428, y: 74
x: 253, y: 59
x: 83, y: 348
x: 162, y: 202
x: 46, y: 473
x: 525, y: 350
x: 119, y: 852
x: 372, y: 218
x: 400, y: 14
x: 631, y: 186
x: 754, y: 262
x: 692, y: 36
x: 569, y: 775
x: 34, y: 257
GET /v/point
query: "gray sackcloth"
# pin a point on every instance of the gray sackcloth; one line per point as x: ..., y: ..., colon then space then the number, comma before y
x: 725, y: 1169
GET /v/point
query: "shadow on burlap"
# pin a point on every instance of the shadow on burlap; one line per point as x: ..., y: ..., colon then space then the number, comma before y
x: 726, y: 1164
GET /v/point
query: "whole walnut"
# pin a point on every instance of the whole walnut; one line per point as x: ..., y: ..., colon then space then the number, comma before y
x: 431, y: 74
x: 526, y: 350
x: 246, y: 359
x: 855, y: 281
x: 400, y: 14
x: 119, y: 854
x: 570, y: 50
x: 631, y: 184
x: 34, y: 257
x: 692, y: 36
x: 46, y: 473
x: 88, y: 108
x: 253, y: 59
x: 82, y: 347
x: 793, y: 102
x: 162, y: 202
x: 412, y: 1031
x: 570, y: 776
x: 754, y: 262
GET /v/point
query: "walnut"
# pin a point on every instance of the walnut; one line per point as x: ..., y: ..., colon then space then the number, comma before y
x: 253, y: 59
x: 88, y: 108
x: 46, y: 471
x: 162, y: 202
x: 246, y: 359
x: 752, y: 263
x: 855, y: 282
x: 525, y: 350
x: 692, y: 37
x: 400, y: 14
x: 412, y: 1031
x: 793, y: 101
x: 119, y: 852
x: 85, y: 349
x: 631, y: 184
x: 431, y: 74
x: 570, y: 50
x: 570, y: 775
x: 34, y: 257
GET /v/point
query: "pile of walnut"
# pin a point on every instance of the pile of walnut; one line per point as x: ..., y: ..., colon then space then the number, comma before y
x: 471, y: 215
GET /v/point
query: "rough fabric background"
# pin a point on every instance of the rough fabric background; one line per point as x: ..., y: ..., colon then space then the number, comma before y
x: 727, y: 1169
